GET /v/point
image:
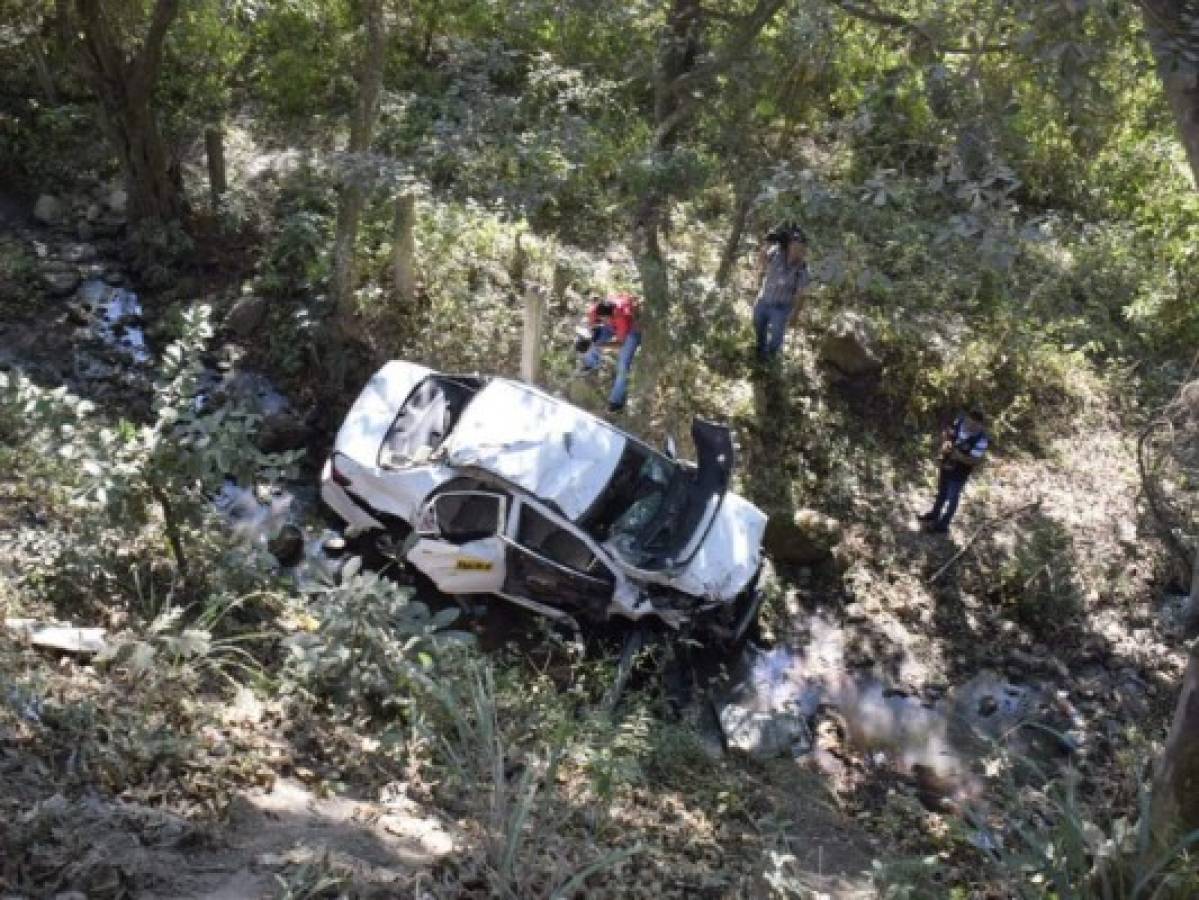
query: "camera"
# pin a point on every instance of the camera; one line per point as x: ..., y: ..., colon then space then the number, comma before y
x: 584, y: 337
x: 786, y: 233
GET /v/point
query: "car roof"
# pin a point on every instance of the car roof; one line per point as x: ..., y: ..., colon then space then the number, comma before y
x: 546, y: 446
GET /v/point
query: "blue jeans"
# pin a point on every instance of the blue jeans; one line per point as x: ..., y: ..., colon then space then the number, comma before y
x: 624, y: 362
x: 770, y: 326
x: 949, y: 492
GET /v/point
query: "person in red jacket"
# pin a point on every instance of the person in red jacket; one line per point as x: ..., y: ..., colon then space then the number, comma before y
x: 613, y: 322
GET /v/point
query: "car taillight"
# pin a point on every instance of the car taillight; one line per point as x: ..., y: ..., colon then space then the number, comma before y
x: 339, y: 477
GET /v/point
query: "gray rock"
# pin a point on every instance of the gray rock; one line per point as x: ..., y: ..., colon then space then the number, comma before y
x: 281, y: 432
x: 247, y: 316
x: 804, y: 538
x: 764, y: 735
x: 84, y: 230
x: 288, y: 545
x: 850, y: 345
x: 93, y: 212
x: 117, y: 200
x: 79, y: 253
x: 48, y: 210
x: 60, y: 282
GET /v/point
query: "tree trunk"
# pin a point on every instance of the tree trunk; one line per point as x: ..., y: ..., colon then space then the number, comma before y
x: 362, y: 125
x: 41, y: 68
x: 1173, y: 40
x: 403, y: 249
x: 677, y: 77
x: 1190, y: 623
x: 732, y: 245
x: 214, y: 147
x: 124, y: 85
x: 1175, y: 807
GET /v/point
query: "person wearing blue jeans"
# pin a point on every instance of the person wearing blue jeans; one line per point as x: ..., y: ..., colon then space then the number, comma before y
x: 963, y: 446
x: 784, y: 268
x: 614, y: 320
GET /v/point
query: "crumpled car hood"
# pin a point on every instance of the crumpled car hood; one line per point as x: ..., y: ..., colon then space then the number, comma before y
x: 553, y: 450
x: 730, y: 553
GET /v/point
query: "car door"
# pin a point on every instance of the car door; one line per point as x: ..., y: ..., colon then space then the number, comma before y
x: 547, y: 562
x: 457, y: 541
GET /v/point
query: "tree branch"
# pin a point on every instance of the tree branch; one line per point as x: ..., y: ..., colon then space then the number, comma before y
x: 878, y: 17
x: 150, y: 59
x: 750, y: 27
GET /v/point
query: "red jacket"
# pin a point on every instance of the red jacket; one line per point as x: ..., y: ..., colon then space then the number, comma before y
x: 624, y: 316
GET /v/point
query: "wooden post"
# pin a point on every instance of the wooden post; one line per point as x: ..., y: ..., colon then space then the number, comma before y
x: 214, y: 146
x: 530, y: 345
x: 403, y: 249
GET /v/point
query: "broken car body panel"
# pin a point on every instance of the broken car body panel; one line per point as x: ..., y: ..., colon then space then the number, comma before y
x: 513, y: 492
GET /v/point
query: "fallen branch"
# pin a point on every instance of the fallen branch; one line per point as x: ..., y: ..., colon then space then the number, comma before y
x: 1015, y: 514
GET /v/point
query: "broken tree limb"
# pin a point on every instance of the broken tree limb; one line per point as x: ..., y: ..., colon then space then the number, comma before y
x: 979, y: 530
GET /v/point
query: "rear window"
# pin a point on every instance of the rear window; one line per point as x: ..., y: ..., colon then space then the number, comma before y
x: 426, y: 419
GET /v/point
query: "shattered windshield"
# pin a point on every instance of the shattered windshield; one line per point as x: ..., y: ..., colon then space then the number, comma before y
x: 639, y: 512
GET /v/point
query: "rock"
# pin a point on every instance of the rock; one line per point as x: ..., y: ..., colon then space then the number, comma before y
x: 805, y: 538
x: 763, y: 735
x: 850, y: 345
x: 117, y: 200
x: 48, y: 210
x: 1126, y: 532
x: 247, y: 316
x: 79, y: 253
x: 288, y: 545
x: 93, y: 212
x: 60, y: 281
x: 280, y: 432
x: 84, y: 230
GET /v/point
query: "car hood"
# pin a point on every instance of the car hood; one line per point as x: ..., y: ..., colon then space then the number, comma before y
x: 729, y: 555
x: 555, y: 451
x: 361, y: 434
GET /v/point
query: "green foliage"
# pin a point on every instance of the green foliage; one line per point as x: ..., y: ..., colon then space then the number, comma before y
x: 1037, y: 582
x: 125, y: 481
x: 369, y: 635
x: 300, y: 57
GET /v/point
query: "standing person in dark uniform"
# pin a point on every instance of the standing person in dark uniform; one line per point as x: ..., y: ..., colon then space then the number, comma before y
x: 963, y: 446
x: 783, y: 265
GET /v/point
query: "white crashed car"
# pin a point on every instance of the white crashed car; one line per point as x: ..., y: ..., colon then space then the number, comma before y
x: 490, y: 486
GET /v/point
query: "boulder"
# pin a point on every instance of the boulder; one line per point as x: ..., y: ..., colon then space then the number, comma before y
x: 850, y: 345
x: 60, y: 281
x: 802, y: 539
x: 117, y: 200
x: 48, y: 210
x: 79, y: 253
x: 764, y: 735
x: 247, y: 316
x: 281, y: 432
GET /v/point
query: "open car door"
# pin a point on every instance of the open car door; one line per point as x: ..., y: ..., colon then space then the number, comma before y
x: 458, y: 544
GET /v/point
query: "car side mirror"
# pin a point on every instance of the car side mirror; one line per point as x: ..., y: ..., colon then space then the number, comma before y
x: 671, y: 448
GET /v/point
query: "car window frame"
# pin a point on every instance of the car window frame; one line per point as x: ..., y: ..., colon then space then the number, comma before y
x: 502, y: 513
x: 511, y: 538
